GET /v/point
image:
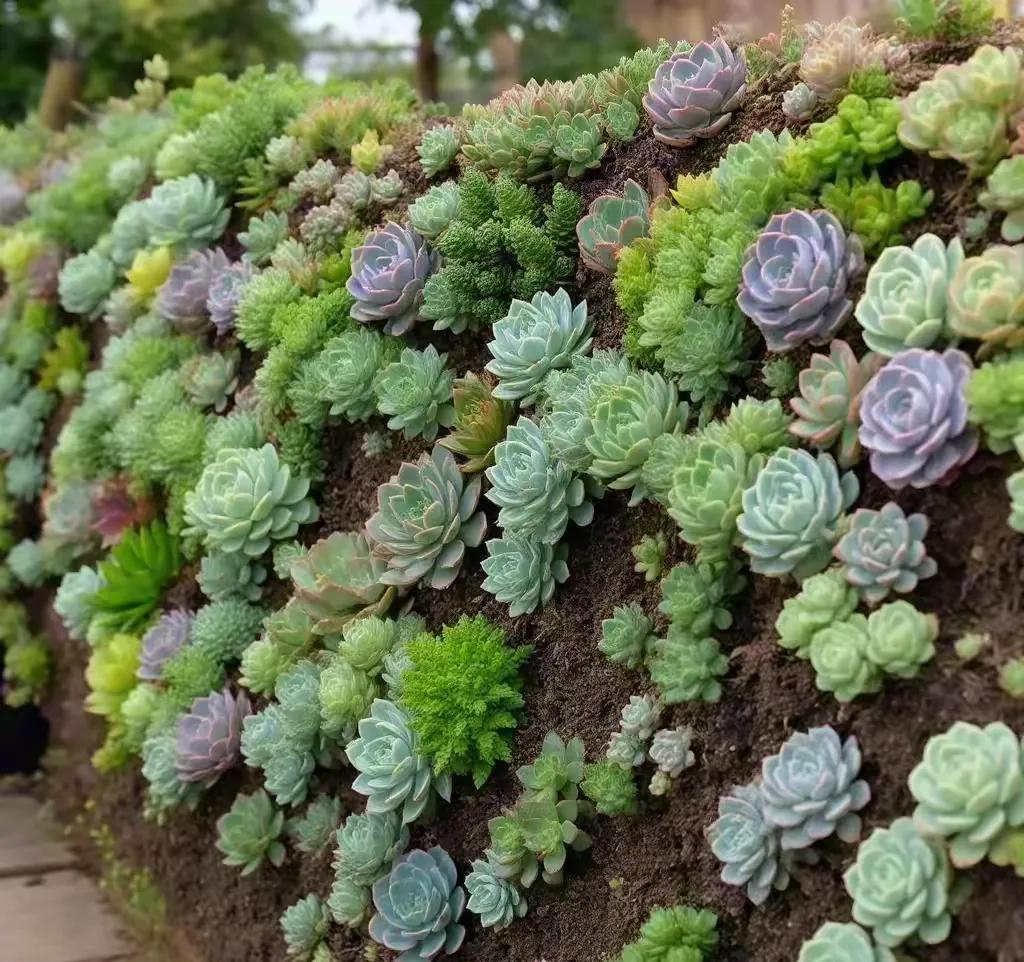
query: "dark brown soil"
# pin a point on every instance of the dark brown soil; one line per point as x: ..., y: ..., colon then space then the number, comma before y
x: 658, y: 856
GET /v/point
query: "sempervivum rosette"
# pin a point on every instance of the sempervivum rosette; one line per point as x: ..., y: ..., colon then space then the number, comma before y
x: 692, y: 94
x: 208, y: 739
x: 914, y: 418
x: 388, y: 275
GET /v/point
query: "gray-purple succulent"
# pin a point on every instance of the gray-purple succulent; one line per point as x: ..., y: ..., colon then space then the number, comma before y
x: 692, y: 94
x: 795, y: 277
x: 389, y: 272
x: 182, y: 299
x: 914, y: 418
x: 208, y: 738
x: 225, y: 292
x: 165, y: 639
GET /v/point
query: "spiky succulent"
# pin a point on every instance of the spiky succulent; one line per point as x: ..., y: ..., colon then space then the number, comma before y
x: 480, y: 423
x: 186, y: 214
x: 261, y: 237
x: 613, y: 222
x: 493, y: 898
x: 438, y: 149
x: 415, y: 391
x: 986, y: 297
x: 693, y: 93
x: 85, y: 281
x: 627, y: 636
x: 522, y: 572
x: 249, y: 832
x: 208, y: 737
x: 425, y: 519
x: 164, y: 640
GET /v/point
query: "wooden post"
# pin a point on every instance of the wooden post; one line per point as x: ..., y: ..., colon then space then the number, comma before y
x: 64, y: 78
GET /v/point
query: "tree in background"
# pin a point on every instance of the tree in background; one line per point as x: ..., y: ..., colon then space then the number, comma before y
x: 24, y: 49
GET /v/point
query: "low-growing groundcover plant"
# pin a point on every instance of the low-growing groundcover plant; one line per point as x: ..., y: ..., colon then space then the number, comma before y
x: 323, y: 427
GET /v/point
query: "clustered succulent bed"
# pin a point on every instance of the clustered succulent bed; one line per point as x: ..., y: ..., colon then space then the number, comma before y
x: 587, y: 526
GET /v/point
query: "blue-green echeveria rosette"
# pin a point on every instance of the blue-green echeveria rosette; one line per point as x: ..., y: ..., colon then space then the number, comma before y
x: 792, y: 513
x: 537, y: 495
x: 904, y: 301
x: 393, y: 774
x: 389, y: 272
x: 969, y: 788
x: 416, y: 392
x: 418, y: 905
x: 367, y: 844
x: 186, y: 213
x: 494, y: 899
x: 522, y: 571
x: 884, y: 551
x: 811, y: 789
x: 425, y: 520
x: 535, y: 337
x: 900, y: 886
x: 85, y: 281
x: 246, y: 499
x: 795, y: 278
x: 843, y: 942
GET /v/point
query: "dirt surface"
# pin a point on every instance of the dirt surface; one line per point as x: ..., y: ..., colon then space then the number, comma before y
x: 660, y: 855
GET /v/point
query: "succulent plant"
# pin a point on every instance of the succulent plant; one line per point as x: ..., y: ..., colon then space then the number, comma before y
x: 969, y: 788
x: 828, y: 408
x: 692, y: 94
x: 799, y: 101
x: 425, y: 519
x: 225, y: 292
x: 208, y: 737
x: 811, y: 790
x: 986, y: 297
x: 496, y: 900
x: 695, y: 597
x: 314, y: 831
x: 1011, y: 677
x: 610, y: 787
x: 1004, y: 191
x: 346, y: 370
x: 549, y: 832
x: 438, y: 149
x: 839, y: 655
x: 795, y: 278
x: 389, y: 272
x: 671, y: 751
x: 245, y: 499
x: 249, y: 832
x: 843, y: 942
x: 687, y: 668
x: 316, y: 181
x: 900, y: 886
x: 73, y: 600
x: 824, y: 599
x: 431, y: 213
x: 627, y: 636
x: 837, y: 52
x: 480, y: 423
x: 534, y: 338
x: 650, y: 553
x: 629, y: 751
x: 230, y: 576
x: 747, y: 845
x: 537, y: 495
x: 792, y: 512
x: 182, y: 299
x: 613, y: 222
x: 85, y: 281
x: 186, y: 214
x: 367, y: 844
x: 418, y: 905
x: 304, y: 927
x: 366, y: 642
x: 905, y: 301
x: 558, y: 769
x: 369, y: 153
x: 914, y: 418
x: 210, y: 379
x: 640, y: 716
x: 387, y: 189
x: 165, y: 639
x: 355, y: 190
x: 522, y: 571
x: 262, y: 236
x: 392, y: 773
x: 416, y: 392
x: 348, y: 902
x: 286, y: 155
x: 165, y: 791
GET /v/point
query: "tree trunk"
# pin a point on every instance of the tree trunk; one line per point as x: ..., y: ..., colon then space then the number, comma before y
x: 63, y: 86
x: 428, y: 66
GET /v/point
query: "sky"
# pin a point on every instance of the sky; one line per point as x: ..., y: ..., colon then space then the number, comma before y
x: 362, y: 20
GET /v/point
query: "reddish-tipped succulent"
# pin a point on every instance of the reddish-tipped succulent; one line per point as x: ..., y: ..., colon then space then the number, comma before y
x: 613, y: 222
x: 208, y: 739
x: 117, y: 511
x: 480, y: 423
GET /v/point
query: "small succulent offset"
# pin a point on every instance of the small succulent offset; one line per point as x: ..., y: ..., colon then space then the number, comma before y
x: 431, y: 213
x: 419, y: 903
x: 85, y: 281
x: 415, y: 391
x: 839, y: 655
x: 914, y: 418
x: 795, y: 278
x: 480, y: 423
x: 792, y: 513
x: 799, y: 101
x: 537, y: 495
x: 843, y: 942
x: 905, y: 300
x: 613, y: 222
x: 986, y: 297
x: 695, y: 597
x: 247, y: 498
x: 250, y: 832
x: 828, y: 407
x: 389, y: 272
x: 693, y: 93
x: 522, y: 572
x: 900, y: 886
x: 824, y: 599
x: 884, y: 551
x: 1004, y: 191
x: 549, y: 831
x: 392, y: 772
x: 425, y: 519
x: 811, y: 790
x: 610, y: 787
x: 186, y: 214
x: 387, y: 189
x: 208, y: 737
x: 686, y: 668
x: 304, y: 927
x: 495, y: 899
x: 627, y: 636
x: 671, y: 751
x: 650, y: 554
x: 969, y: 788
x: 314, y: 831
x: 438, y: 149
x: 533, y: 338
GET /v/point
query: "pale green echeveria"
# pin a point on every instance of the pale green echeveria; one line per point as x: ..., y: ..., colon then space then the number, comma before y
x: 558, y: 769
x: 650, y: 554
x: 165, y: 789
x: 286, y: 155
x: 84, y: 283
x: 313, y: 832
x: 695, y: 597
x: 246, y: 499
x: 969, y: 789
x: 186, y: 214
x: 431, y: 213
x: 366, y: 642
x: 210, y: 379
x: 345, y: 696
x: 884, y: 551
x: 262, y: 236
x: 549, y: 832
x: 537, y: 494
x: 393, y: 775
x: 73, y: 600
x: 522, y: 571
x: 494, y: 899
x: 346, y: 370
x: 904, y: 301
x: 425, y: 520
x: 304, y: 926
x: 348, y: 902
x: 249, y: 832
x: 824, y: 599
x: 839, y: 655
x: 536, y: 337
x: 901, y: 638
x: 811, y: 789
x: 1004, y: 191
x: 759, y: 427
x: 438, y: 149
x: 843, y: 942
x: 671, y: 751
x: 178, y: 157
x: 625, y: 421
x: 416, y: 393
x: 792, y: 513
x: 986, y: 297
x: 126, y: 175
x: 367, y: 843
x: 900, y: 886
x: 687, y: 669
x: 627, y: 636
x: 225, y: 576
x: 626, y: 751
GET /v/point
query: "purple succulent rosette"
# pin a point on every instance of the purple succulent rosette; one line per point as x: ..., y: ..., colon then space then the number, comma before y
x: 692, y: 94
x: 914, y: 418
x: 182, y: 299
x: 164, y: 640
x: 208, y: 739
x: 795, y: 277
x: 225, y: 292
x: 388, y: 275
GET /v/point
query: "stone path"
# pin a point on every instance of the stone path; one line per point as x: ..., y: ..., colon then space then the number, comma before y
x: 50, y: 910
